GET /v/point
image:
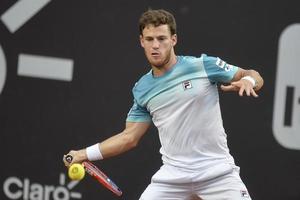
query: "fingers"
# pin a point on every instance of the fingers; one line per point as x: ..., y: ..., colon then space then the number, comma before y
x: 241, y: 91
x: 68, y: 162
x: 247, y: 90
x: 228, y: 88
x: 74, y: 157
x: 254, y: 93
x: 242, y: 86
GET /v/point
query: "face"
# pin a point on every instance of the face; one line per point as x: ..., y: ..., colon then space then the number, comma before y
x: 158, y: 44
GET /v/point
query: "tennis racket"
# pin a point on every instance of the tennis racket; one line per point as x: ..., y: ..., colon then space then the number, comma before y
x: 96, y: 173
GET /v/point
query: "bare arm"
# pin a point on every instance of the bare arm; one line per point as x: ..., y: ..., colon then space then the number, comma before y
x: 125, y: 140
x: 243, y: 85
x: 116, y: 144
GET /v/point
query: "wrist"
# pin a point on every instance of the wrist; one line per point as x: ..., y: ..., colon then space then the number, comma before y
x: 250, y: 79
x: 82, y: 155
x: 93, y: 153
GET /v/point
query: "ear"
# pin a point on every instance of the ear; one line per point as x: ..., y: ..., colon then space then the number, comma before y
x: 174, y: 39
x: 142, y: 41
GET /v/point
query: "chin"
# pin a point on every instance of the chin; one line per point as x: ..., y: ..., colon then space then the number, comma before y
x: 157, y: 64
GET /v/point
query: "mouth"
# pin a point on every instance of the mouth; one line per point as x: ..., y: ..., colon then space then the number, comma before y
x: 155, y: 54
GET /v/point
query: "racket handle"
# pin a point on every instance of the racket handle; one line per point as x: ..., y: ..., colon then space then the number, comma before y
x: 69, y: 158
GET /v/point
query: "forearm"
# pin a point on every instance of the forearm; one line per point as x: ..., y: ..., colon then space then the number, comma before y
x: 125, y: 140
x: 116, y: 145
x: 112, y: 146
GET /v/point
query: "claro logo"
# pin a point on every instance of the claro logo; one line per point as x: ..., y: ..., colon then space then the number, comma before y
x: 16, y: 188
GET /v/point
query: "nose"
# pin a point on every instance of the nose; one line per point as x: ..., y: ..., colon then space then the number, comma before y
x: 155, y: 44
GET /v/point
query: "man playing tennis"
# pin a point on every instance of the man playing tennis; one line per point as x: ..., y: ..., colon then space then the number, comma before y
x: 180, y: 96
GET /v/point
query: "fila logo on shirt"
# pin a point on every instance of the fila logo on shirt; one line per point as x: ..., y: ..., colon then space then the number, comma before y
x: 187, y: 85
x: 244, y: 193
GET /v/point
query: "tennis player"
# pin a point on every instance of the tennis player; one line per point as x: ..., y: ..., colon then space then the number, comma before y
x: 180, y: 96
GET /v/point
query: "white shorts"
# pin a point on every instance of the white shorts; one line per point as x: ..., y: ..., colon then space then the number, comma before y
x: 220, y: 182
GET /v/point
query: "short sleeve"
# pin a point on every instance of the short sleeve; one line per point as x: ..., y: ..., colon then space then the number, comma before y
x: 218, y: 70
x: 138, y: 113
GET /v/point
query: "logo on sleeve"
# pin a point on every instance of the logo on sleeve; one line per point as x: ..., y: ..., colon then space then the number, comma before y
x: 187, y: 85
x: 228, y: 67
x: 222, y: 64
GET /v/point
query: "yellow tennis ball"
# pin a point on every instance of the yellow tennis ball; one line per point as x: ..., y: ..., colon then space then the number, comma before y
x: 76, y: 171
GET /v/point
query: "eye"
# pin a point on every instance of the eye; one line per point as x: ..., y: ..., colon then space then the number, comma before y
x: 148, y: 39
x: 161, y: 38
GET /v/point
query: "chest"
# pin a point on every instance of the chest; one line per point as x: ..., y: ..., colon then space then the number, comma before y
x: 183, y: 93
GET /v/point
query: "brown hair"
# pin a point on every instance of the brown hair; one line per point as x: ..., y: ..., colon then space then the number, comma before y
x: 157, y: 18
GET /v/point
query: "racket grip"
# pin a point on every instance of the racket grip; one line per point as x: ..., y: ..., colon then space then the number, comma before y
x: 69, y: 158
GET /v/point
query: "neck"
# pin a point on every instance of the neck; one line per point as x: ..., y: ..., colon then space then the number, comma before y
x: 161, y: 70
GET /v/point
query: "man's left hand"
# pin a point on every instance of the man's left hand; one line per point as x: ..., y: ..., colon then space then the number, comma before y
x: 241, y: 86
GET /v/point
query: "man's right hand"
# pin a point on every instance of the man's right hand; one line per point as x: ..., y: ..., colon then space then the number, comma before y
x: 78, y: 157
